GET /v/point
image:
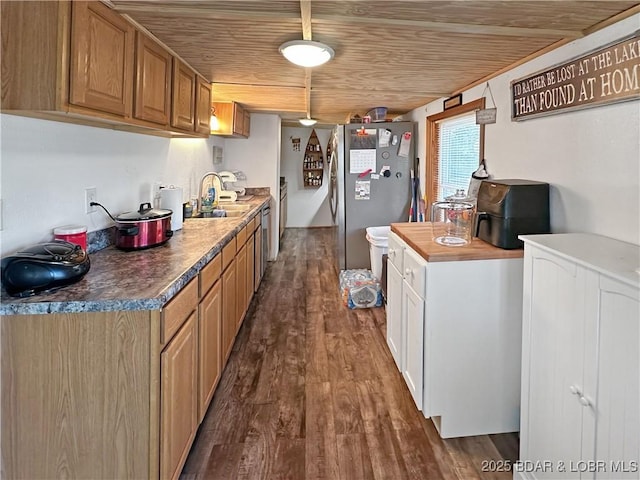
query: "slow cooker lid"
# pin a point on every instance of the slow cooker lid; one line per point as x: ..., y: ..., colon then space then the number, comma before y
x: 145, y: 212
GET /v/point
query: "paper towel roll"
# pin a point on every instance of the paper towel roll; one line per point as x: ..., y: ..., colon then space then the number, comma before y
x: 171, y: 198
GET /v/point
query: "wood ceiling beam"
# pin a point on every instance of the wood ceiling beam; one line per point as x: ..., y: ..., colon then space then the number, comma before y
x: 307, y: 91
x: 305, y: 16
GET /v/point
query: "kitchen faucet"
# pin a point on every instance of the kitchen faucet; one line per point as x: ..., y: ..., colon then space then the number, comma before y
x: 218, y: 187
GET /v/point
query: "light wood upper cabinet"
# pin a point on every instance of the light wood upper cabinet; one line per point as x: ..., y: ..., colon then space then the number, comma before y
x: 153, y: 81
x: 80, y: 62
x: 246, y: 126
x: 233, y: 120
x: 183, y: 100
x: 101, y: 67
x: 203, y: 105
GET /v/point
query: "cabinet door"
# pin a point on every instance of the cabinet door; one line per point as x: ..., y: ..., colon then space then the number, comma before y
x: 394, y: 313
x: 553, y: 356
x: 101, y: 70
x: 617, y: 441
x: 238, y: 119
x: 251, y: 265
x: 153, y: 81
x: 203, y: 105
x: 258, y: 259
x: 179, y: 399
x: 241, y: 285
x: 210, y: 343
x: 183, y: 111
x: 229, y: 309
x: 413, y: 359
x: 246, y: 125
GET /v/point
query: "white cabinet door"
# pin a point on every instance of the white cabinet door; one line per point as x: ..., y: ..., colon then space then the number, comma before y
x: 394, y: 314
x: 553, y: 355
x: 617, y: 443
x: 413, y: 320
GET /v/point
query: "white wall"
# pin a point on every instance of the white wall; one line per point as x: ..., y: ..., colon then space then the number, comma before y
x: 259, y: 158
x: 307, y: 207
x: 45, y: 167
x: 591, y: 158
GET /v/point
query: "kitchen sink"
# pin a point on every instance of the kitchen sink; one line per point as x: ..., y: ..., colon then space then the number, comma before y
x: 231, y: 209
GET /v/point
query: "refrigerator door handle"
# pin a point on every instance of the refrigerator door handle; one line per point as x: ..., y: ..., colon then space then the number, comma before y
x: 333, y: 185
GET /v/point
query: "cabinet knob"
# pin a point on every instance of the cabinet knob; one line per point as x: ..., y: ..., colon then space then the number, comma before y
x: 584, y: 401
x: 407, y: 272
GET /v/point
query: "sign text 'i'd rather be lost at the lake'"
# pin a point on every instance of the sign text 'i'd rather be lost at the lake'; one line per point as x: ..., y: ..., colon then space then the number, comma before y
x: 607, y: 75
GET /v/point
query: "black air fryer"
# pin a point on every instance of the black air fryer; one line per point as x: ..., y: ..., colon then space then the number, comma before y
x: 508, y: 208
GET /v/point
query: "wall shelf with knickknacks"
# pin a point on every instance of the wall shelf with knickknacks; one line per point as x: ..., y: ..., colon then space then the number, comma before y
x: 313, y: 163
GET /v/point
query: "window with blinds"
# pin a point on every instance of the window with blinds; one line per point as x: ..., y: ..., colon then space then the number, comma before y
x: 458, y: 145
x: 455, y: 146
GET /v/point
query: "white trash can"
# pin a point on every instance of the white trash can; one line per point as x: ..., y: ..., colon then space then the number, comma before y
x: 378, y: 238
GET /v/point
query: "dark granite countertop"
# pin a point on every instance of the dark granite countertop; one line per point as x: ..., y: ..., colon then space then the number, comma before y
x: 142, y: 279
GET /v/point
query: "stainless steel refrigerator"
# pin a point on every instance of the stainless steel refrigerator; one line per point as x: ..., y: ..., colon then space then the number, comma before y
x: 370, y: 184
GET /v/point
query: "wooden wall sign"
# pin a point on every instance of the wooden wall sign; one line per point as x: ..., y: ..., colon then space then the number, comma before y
x: 608, y: 75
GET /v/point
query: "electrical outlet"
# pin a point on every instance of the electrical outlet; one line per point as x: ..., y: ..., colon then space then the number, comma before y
x: 90, y: 195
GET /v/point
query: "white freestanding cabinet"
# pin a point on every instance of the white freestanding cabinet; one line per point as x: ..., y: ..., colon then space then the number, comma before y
x: 580, y: 414
x: 460, y: 332
x: 394, y: 298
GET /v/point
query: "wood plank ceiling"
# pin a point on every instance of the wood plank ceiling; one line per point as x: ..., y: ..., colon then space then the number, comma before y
x: 397, y: 54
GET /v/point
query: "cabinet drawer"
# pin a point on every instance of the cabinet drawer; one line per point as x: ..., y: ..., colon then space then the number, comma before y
x: 241, y: 238
x: 251, y: 226
x: 415, y: 272
x: 228, y: 253
x: 209, y: 274
x: 178, y: 310
x: 395, y: 255
x: 257, y: 221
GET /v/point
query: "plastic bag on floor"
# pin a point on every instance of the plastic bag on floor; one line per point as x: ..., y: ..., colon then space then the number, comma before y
x: 360, y: 289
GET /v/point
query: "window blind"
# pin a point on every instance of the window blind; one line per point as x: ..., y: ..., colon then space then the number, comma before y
x: 458, y: 146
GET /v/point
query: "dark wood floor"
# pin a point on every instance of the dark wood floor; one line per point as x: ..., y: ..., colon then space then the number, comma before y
x: 312, y: 392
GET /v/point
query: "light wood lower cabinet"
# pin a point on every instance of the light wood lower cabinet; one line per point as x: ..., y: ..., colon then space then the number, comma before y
x: 210, y: 346
x: 251, y: 267
x: 179, y: 398
x: 241, y: 285
x: 79, y: 391
x: 119, y: 394
x: 257, y: 275
x: 229, y: 309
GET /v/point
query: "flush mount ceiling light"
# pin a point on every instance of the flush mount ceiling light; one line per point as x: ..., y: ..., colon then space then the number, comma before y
x: 307, y: 122
x: 306, y: 53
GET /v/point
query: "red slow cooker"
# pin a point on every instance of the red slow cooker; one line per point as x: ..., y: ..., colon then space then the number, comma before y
x: 146, y: 228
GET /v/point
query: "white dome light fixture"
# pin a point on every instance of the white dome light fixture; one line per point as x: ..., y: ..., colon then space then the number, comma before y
x: 307, y: 122
x: 306, y: 53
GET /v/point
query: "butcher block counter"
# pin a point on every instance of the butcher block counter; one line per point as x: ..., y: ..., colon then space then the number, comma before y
x: 419, y: 236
